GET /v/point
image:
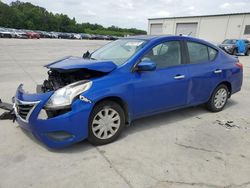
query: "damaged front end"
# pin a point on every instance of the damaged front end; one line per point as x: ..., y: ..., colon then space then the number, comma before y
x: 57, y: 114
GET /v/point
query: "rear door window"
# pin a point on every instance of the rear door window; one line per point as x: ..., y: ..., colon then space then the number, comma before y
x: 200, y: 53
x: 212, y: 53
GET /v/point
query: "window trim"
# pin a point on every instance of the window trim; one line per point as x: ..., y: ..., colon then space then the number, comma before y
x: 182, y: 50
x: 187, y: 52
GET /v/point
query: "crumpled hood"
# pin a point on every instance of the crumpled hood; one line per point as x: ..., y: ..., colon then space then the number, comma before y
x: 73, y: 63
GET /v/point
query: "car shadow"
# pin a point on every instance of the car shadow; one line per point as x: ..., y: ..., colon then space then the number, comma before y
x: 146, y: 123
x: 82, y: 146
x: 230, y: 103
x: 166, y: 118
x: 78, y: 147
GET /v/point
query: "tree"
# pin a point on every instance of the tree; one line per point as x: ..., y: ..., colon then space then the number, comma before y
x: 24, y: 15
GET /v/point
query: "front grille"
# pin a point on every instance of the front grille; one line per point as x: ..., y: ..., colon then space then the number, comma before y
x: 24, y: 109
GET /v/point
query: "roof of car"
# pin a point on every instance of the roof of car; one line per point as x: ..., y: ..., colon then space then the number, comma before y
x: 163, y: 37
x: 151, y: 37
x: 148, y: 37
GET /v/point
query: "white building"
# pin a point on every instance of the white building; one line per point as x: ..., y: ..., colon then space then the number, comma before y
x: 214, y: 28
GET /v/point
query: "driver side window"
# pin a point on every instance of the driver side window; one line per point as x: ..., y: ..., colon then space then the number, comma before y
x: 165, y: 54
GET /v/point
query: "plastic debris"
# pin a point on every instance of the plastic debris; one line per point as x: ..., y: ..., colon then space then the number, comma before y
x: 227, y: 124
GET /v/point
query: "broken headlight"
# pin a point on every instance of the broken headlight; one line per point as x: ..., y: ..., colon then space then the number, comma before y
x: 64, y: 97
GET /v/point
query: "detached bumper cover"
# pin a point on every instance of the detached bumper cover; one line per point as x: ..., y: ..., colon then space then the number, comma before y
x: 57, y: 132
x: 10, y: 115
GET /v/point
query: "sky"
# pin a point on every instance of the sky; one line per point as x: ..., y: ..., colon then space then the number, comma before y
x: 134, y: 13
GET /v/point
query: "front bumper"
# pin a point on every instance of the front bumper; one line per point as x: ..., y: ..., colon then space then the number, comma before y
x: 56, y: 132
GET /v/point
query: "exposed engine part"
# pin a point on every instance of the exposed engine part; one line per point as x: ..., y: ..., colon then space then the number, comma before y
x: 10, y: 111
x: 8, y: 116
x: 58, y: 79
x: 6, y: 106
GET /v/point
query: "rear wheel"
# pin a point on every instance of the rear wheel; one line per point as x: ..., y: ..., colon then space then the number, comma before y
x: 107, y: 121
x: 218, y: 99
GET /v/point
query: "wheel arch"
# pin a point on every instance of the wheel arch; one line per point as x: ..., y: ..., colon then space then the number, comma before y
x: 229, y: 86
x: 119, y: 101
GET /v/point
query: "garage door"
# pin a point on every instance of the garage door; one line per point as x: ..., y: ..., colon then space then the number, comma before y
x: 156, y: 29
x: 186, y: 29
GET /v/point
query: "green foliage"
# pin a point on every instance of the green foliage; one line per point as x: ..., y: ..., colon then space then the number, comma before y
x: 24, y: 15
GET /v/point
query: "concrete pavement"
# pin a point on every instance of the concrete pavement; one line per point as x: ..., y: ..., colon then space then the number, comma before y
x: 181, y: 149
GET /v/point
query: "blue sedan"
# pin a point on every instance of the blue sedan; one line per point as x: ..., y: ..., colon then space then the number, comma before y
x: 96, y: 96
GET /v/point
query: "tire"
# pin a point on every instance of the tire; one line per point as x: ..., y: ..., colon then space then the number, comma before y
x: 218, y: 99
x: 100, y: 128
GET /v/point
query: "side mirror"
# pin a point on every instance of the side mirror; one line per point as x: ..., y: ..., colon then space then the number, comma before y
x: 146, y: 65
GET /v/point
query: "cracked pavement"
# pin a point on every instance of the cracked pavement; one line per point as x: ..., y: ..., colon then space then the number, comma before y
x: 181, y: 149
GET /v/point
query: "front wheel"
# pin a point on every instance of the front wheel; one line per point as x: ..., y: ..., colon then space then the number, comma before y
x: 106, y: 123
x: 218, y: 99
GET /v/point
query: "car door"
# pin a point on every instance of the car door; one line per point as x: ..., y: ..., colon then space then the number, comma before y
x: 204, y: 69
x: 167, y: 86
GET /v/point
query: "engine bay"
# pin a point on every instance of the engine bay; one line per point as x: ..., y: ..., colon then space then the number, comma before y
x: 60, y: 78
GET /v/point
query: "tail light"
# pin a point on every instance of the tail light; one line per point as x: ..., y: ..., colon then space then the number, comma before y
x: 238, y: 64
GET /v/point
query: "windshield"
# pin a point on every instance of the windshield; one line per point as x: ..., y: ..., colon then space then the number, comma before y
x: 118, y: 51
x: 229, y: 41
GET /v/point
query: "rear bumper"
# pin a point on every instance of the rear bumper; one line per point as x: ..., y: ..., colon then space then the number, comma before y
x: 59, y: 131
x: 236, y: 80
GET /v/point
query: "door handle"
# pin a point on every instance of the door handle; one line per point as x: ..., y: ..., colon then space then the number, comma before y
x: 178, y: 77
x: 217, y: 71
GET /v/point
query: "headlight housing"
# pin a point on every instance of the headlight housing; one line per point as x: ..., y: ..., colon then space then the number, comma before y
x: 64, y: 97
